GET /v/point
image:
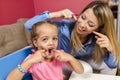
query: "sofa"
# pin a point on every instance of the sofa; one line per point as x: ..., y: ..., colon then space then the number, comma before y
x: 15, y: 45
x: 13, y: 37
x: 10, y: 61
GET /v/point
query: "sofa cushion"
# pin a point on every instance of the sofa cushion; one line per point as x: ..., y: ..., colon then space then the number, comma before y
x: 12, y: 37
x: 27, y: 33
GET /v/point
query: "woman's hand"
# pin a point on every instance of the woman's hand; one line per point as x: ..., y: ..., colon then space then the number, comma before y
x: 66, y: 13
x: 103, y: 41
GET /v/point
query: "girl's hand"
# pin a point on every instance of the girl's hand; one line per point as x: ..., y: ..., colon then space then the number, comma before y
x: 37, y: 57
x: 62, y: 56
x: 103, y: 41
x: 66, y: 13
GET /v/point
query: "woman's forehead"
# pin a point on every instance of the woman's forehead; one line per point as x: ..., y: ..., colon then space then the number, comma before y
x: 91, y: 16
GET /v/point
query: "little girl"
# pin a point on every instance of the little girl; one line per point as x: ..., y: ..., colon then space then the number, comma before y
x: 45, y: 63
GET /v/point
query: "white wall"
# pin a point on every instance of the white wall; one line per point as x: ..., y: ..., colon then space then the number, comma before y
x: 118, y: 23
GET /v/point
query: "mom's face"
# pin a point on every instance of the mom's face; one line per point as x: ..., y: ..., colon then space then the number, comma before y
x: 87, y: 22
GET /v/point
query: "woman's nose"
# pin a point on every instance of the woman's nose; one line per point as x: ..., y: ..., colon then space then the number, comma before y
x: 83, y: 25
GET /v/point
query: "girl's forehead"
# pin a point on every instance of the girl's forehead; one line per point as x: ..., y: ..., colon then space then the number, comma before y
x: 46, y: 26
x: 47, y: 29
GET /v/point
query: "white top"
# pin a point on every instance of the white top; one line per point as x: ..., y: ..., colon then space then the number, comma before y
x: 92, y: 76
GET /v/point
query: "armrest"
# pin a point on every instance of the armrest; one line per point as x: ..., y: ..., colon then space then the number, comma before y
x: 9, y: 62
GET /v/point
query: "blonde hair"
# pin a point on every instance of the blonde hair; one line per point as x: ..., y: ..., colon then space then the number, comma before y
x: 34, y: 34
x: 106, y: 26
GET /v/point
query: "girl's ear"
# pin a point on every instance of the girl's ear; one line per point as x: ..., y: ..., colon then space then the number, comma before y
x: 35, y: 43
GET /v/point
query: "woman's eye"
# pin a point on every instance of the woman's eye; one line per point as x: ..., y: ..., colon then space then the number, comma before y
x: 91, y: 24
x: 83, y: 17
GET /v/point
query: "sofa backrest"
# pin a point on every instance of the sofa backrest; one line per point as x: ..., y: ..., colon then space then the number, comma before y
x: 13, y: 37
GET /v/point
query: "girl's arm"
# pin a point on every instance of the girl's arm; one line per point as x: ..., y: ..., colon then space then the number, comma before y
x: 73, y: 63
x: 16, y: 74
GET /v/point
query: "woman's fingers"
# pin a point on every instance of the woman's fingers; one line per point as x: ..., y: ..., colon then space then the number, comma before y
x: 98, y: 34
x: 68, y: 14
x: 74, y: 16
x: 103, y: 41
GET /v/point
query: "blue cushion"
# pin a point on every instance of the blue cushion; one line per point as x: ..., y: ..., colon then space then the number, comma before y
x: 9, y: 62
x: 27, y: 76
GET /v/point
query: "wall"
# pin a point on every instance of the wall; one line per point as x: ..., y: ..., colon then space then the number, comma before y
x: 11, y: 10
x: 54, y: 5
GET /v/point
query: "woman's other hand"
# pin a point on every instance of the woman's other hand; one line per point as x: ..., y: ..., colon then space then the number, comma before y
x: 103, y: 41
x: 66, y: 13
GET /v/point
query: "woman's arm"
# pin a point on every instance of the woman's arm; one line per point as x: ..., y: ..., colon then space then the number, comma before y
x: 40, y: 17
x: 104, y: 42
x: 110, y: 60
x: 66, y: 13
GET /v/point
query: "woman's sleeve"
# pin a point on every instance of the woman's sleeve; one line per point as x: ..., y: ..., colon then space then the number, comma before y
x: 40, y: 17
x: 110, y: 60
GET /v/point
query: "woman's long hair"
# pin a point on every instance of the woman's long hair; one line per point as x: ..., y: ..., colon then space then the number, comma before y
x: 106, y: 26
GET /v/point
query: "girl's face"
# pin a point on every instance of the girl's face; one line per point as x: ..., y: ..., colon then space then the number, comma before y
x: 47, y: 38
x: 87, y: 22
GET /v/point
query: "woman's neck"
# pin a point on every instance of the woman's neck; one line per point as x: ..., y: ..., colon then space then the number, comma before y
x: 83, y: 38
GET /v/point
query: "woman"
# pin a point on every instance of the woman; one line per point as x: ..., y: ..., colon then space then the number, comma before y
x: 90, y: 37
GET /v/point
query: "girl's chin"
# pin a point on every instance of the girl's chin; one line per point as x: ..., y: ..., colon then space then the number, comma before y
x: 50, y: 57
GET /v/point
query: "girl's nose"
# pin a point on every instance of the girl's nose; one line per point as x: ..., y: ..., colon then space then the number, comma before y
x: 51, y: 42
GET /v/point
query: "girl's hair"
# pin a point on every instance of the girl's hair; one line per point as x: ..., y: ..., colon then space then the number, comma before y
x: 106, y: 26
x: 34, y: 34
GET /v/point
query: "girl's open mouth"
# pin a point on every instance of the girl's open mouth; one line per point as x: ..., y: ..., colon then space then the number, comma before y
x: 49, y: 50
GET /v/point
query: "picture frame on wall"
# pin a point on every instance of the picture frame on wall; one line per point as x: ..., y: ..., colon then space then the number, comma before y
x: 114, y: 2
x: 114, y: 7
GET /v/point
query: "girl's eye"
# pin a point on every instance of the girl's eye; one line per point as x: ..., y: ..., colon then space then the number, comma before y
x: 55, y: 38
x: 44, y: 39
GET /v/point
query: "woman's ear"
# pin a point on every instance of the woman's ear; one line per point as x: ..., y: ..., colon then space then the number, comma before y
x: 100, y: 28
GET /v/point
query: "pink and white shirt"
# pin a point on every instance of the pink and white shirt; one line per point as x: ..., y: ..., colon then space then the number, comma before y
x: 47, y: 70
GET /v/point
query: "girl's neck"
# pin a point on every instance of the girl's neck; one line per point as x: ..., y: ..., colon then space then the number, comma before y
x: 49, y: 59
